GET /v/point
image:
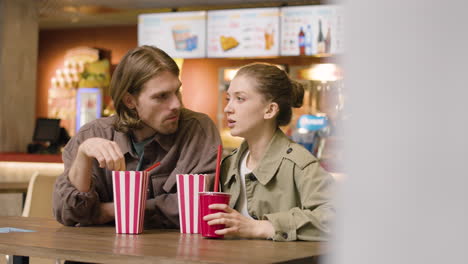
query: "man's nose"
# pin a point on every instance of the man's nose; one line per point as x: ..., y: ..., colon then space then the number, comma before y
x: 176, y: 102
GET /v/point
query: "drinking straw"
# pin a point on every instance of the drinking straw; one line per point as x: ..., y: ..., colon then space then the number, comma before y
x: 218, y: 163
x: 154, y: 166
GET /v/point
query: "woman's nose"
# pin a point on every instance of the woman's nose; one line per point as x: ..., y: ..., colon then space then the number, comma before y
x: 228, y: 108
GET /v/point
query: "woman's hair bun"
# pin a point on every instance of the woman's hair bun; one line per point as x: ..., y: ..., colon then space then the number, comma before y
x: 297, y: 95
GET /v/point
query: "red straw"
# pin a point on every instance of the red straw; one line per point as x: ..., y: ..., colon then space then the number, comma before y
x: 154, y: 166
x: 218, y: 163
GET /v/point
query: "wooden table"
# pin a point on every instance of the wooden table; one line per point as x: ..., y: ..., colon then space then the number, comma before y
x: 101, y: 244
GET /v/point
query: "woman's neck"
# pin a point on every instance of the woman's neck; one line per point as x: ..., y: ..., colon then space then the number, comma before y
x: 258, y: 145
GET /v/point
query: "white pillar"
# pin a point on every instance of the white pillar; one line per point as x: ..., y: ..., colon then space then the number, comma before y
x: 18, y: 66
x: 405, y: 199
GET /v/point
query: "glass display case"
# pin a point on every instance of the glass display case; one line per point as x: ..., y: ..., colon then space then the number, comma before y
x: 323, y: 97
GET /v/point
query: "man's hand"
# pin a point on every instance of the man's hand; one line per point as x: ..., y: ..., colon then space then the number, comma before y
x: 106, y: 152
x: 107, y: 213
x: 237, y: 224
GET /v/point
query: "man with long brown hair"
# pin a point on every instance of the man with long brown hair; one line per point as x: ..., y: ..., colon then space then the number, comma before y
x: 150, y: 125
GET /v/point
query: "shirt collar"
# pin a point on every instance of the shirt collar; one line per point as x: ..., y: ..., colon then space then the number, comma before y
x: 270, y: 161
x: 125, y: 144
x: 123, y: 141
x: 234, y: 169
x: 166, y: 141
x: 272, y: 158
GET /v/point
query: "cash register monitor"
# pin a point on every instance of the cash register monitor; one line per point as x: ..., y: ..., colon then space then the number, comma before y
x: 47, y: 130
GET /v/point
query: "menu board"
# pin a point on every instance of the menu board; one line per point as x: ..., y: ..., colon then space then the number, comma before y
x: 180, y: 34
x: 312, y: 30
x: 243, y: 32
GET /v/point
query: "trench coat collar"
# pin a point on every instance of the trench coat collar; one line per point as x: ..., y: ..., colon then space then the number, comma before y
x: 270, y: 161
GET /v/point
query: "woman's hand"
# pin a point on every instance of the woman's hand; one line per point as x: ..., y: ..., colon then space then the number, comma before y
x: 237, y: 224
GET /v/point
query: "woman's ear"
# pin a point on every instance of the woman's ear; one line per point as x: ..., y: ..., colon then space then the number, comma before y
x: 129, y: 101
x: 271, y: 110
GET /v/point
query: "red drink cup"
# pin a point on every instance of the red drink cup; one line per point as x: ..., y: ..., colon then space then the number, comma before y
x: 207, y: 198
x: 130, y: 191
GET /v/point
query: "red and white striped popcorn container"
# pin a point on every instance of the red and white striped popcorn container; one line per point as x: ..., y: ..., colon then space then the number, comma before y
x: 130, y: 191
x: 188, y: 187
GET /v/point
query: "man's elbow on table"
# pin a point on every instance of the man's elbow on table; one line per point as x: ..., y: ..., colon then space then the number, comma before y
x: 66, y: 221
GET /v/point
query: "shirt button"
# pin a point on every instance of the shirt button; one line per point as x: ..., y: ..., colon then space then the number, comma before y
x: 284, y: 235
x: 252, y: 177
x: 289, y: 150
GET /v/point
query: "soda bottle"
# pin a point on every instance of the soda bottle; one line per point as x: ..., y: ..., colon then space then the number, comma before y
x: 308, y: 40
x: 320, y: 40
x: 301, y: 42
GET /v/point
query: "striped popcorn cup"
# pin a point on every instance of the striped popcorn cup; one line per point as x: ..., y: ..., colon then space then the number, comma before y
x: 130, y: 191
x: 188, y: 187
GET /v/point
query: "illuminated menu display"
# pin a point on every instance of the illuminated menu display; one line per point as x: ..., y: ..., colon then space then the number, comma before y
x: 243, y: 32
x: 181, y: 34
x: 311, y: 30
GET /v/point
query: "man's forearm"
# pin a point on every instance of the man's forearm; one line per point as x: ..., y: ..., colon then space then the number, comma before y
x: 80, y: 172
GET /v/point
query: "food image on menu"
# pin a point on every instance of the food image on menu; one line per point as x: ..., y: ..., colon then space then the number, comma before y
x: 228, y: 43
x: 269, y: 37
x: 183, y: 38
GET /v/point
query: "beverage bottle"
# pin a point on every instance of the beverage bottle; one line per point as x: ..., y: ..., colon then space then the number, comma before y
x: 320, y: 39
x: 301, y: 42
x: 305, y: 139
x: 328, y: 40
x: 308, y: 40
